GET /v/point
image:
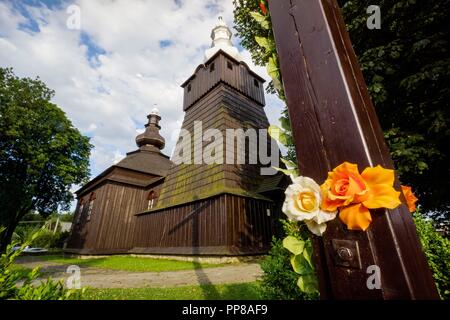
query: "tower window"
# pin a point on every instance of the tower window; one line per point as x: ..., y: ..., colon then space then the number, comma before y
x: 152, y: 199
x: 211, y: 67
x: 189, y: 87
x: 229, y: 65
x: 256, y: 83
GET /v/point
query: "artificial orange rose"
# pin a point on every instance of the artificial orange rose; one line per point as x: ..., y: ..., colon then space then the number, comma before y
x: 343, y: 187
x: 411, y: 199
x: 354, y: 193
x: 263, y: 8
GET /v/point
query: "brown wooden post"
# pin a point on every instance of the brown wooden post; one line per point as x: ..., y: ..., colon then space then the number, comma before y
x: 333, y: 120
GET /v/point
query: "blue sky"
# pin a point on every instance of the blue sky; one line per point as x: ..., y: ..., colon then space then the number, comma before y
x: 126, y: 57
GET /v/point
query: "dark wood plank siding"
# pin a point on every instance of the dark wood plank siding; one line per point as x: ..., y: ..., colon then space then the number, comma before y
x: 239, y: 77
x: 112, y: 225
x: 222, y: 225
x: 194, y: 225
x: 250, y: 226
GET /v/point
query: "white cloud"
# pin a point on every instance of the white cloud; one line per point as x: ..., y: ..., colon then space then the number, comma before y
x: 108, y: 95
x: 118, y: 156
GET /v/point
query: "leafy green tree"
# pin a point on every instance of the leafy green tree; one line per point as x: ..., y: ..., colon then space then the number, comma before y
x: 406, y: 65
x: 248, y: 29
x: 41, y: 154
x: 66, y: 217
x: 32, y: 216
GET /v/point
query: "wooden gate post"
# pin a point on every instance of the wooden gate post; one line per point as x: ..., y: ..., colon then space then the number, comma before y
x: 333, y: 120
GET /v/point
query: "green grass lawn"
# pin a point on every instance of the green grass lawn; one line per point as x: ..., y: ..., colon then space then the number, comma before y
x: 239, y: 291
x: 131, y: 263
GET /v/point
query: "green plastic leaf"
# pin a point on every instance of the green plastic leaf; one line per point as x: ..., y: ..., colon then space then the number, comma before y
x: 288, y: 172
x: 285, y: 124
x: 301, y: 265
x: 262, y: 20
x: 289, y: 164
x: 291, y: 170
x: 294, y: 245
x: 266, y: 43
x: 273, y: 70
x: 278, y: 134
x: 308, y: 283
x: 307, y: 253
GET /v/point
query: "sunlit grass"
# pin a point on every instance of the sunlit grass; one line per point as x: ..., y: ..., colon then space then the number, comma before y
x: 131, y: 263
x: 238, y: 291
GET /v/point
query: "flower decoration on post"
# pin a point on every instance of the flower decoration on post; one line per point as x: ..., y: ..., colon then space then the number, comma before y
x: 263, y: 8
x: 301, y: 261
x: 354, y: 193
x: 410, y: 198
x: 302, y: 203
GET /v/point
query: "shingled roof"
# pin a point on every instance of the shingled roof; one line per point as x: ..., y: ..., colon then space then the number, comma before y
x: 148, y: 159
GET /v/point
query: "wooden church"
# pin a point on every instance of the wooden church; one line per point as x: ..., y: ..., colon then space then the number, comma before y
x: 147, y: 204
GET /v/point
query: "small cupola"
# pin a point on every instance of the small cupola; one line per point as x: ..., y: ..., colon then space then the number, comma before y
x: 150, y: 139
x: 221, y: 40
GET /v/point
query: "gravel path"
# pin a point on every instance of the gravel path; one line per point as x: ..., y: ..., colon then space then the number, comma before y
x: 107, y: 278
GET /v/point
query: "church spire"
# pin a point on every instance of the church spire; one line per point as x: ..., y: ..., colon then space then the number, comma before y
x: 150, y: 139
x: 221, y: 39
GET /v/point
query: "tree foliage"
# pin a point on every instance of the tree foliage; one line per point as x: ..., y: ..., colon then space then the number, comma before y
x: 257, y: 37
x: 406, y: 65
x: 248, y: 29
x: 41, y: 154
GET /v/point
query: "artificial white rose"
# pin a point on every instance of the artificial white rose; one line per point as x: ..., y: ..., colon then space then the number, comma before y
x: 302, y: 203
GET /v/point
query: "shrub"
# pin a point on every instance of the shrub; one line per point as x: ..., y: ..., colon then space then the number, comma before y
x: 46, y: 238
x: 10, y: 276
x: 437, y: 251
x: 279, y: 281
